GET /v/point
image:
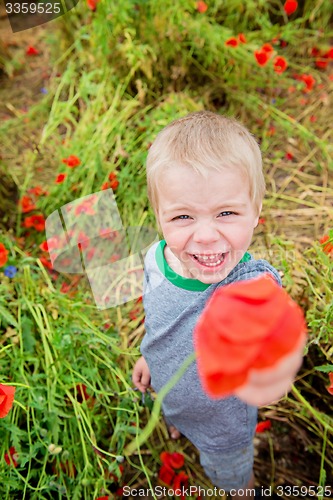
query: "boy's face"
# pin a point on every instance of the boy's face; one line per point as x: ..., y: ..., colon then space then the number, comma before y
x: 207, y: 223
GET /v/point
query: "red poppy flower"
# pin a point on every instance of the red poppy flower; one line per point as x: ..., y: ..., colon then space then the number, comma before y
x: 106, y: 497
x: 289, y: 156
x: 27, y: 205
x: 112, y: 176
x: 3, y: 255
x: 290, y: 6
x: 72, y: 161
x: 241, y: 38
x: 60, y: 178
x: 231, y: 42
x: 262, y: 57
x: 31, y: 51
x: 180, y: 481
x: 114, y: 184
x: 330, y: 387
x: 321, y: 63
x: 82, y: 394
x: 7, y: 393
x: 327, y: 246
x: 166, y: 474
x: 263, y: 426
x: 173, y: 460
x: 46, y: 262
x: 309, y: 82
x: 280, y: 64
x: 44, y: 246
x: 37, y: 191
x: 262, y: 220
x: 201, y: 7
x: 92, y: 4
x: 265, y: 326
x: 267, y: 47
x: 11, y: 457
x: 35, y: 221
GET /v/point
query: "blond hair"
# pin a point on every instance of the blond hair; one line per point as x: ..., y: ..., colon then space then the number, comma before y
x: 204, y: 140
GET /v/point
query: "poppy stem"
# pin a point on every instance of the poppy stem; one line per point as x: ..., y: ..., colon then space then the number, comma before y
x: 145, y: 433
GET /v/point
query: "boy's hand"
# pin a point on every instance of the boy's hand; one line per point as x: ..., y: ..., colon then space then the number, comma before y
x: 267, y: 386
x: 250, y: 340
x: 141, y: 375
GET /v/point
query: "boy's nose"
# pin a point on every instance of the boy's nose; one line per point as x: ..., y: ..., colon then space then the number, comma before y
x: 206, y: 233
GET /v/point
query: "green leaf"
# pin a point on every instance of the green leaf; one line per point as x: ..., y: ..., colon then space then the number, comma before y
x: 28, y: 335
x: 7, y: 317
x: 324, y: 368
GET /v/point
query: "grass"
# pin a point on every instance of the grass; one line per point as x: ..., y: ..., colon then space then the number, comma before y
x: 118, y: 76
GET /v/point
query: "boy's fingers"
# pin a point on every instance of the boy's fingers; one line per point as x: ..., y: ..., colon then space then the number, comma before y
x: 145, y: 379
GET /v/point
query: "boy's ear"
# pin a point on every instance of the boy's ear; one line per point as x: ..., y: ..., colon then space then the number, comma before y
x: 257, y: 218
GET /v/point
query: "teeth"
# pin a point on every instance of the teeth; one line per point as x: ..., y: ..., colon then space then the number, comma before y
x: 206, y: 258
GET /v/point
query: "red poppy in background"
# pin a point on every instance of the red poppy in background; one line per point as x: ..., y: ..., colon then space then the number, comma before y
x: 173, y: 460
x: 289, y: 156
x: 44, y: 246
x: 201, y: 7
x: 31, y: 51
x: 46, y: 262
x: 309, y: 81
x: 27, y: 205
x: 241, y: 38
x: 327, y: 246
x: 267, y: 47
x: 330, y: 387
x: 11, y: 457
x: 262, y: 57
x: 60, y: 178
x: 231, y: 42
x: 266, y: 325
x: 36, y: 221
x: 263, y: 426
x: 166, y: 474
x: 290, y: 6
x: 7, y: 393
x: 179, y: 482
x: 280, y: 64
x: 3, y: 255
x: 37, y: 191
x: 72, y: 161
x: 92, y: 5
x: 82, y: 394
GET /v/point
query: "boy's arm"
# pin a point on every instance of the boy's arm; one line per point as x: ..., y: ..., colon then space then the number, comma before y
x: 141, y: 375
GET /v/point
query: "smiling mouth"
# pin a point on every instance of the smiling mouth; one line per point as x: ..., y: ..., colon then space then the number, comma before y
x: 212, y: 260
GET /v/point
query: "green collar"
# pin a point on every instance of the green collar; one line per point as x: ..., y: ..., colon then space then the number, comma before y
x: 176, y: 279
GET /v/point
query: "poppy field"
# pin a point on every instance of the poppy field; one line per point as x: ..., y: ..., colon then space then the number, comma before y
x: 83, y: 98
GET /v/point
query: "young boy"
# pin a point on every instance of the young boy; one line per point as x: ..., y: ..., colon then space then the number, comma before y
x: 206, y: 185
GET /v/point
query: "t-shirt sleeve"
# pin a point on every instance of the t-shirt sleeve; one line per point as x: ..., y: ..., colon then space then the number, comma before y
x: 251, y: 269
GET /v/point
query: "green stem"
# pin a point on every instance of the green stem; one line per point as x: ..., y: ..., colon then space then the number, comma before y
x: 140, y: 439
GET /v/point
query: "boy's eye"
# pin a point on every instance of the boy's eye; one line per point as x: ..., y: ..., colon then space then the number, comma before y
x: 182, y: 217
x: 224, y: 214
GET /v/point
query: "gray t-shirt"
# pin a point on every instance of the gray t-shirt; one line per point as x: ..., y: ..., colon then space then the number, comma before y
x: 172, y: 306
